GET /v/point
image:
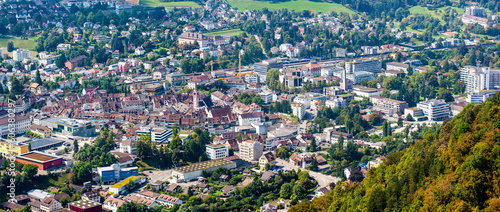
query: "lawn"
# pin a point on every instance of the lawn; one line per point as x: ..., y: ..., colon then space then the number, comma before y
x: 18, y: 43
x: 236, y: 32
x: 158, y: 3
x: 296, y: 5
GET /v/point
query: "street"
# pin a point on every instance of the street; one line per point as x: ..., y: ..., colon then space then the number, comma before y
x: 323, y: 180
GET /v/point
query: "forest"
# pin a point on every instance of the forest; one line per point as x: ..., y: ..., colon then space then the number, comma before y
x: 454, y: 168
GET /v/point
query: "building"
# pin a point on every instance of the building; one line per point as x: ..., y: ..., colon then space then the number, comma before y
x: 120, y: 187
x: 75, y: 62
x: 38, y: 195
x: 277, y: 135
x: 469, y: 19
x: 70, y: 127
x: 397, y: 66
x: 115, y: 173
x: 112, y: 203
x: 42, y: 160
x: 49, y: 204
x: 370, y: 65
x: 417, y: 114
x: 436, y: 109
x: 168, y: 200
x: 267, y: 158
x: 45, y: 143
x: 267, y: 96
x: 264, y: 66
x: 44, y: 132
x: 250, y: 150
x: 16, y: 148
x: 252, y: 78
x: 479, y: 78
x: 481, y: 96
x: 217, y: 151
x: 301, y: 160
x: 474, y: 11
x: 357, y: 76
x: 85, y: 206
x: 193, y: 171
x: 299, y: 110
x: 21, y: 125
x: 192, y: 37
x: 20, y: 54
x: 92, y: 196
x: 250, y: 118
x: 161, y: 136
x: 392, y: 104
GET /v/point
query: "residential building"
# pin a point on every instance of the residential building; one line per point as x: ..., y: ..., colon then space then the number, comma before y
x: 267, y: 158
x: 474, y: 11
x: 21, y: 125
x: 20, y: 54
x: 435, y: 109
x: 469, y: 19
x: 49, y: 204
x: 481, y: 96
x: 44, y: 132
x: 479, y: 78
x: 115, y: 173
x: 191, y: 37
x: 112, y: 203
x: 168, y: 200
x: 397, y: 66
x: 252, y: 78
x: 370, y: 65
x: 298, y: 110
x: 250, y: 150
x: 194, y: 170
x: 92, y: 196
x: 392, y: 104
x: 250, y: 118
x: 217, y: 151
x: 75, y: 62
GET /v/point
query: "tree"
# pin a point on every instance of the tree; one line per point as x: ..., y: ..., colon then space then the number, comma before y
x: 38, y: 79
x: 60, y: 61
x: 10, y: 46
x: 29, y: 147
x: 400, y: 122
x: 356, y: 175
x: 312, y: 146
x: 286, y: 191
x: 299, y: 191
x: 267, y: 166
x: 340, y: 141
x: 17, y: 87
x: 81, y: 172
x: 75, y: 146
x: 130, y: 184
x: 29, y: 171
x: 410, y: 118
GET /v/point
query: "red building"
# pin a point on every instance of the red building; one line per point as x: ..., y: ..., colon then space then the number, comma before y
x: 75, y: 62
x: 85, y: 206
x: 44, y: 161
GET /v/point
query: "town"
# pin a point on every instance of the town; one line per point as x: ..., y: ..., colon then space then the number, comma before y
x: 160, y: 106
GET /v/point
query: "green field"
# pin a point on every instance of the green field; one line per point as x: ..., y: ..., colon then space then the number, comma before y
x: 296, y: 5
x: 158, y: 3
x: 18, y: 43
x: 236, y: 32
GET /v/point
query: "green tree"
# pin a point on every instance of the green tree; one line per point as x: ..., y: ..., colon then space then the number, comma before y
x: 312, y: 146
x: 10, y: 46
x: 286, y: 191
x: 75, y: 146
x: 29, y: 171
x: 267, y: 167
x: 410, y: 118
x: 400, y: 122
x: 17, y: 87
x: 340, y: 141
x: 60, y: 61
x: 38, y: 79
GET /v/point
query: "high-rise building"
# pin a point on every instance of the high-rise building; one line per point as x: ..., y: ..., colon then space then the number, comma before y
x: 264, y: 66
x: 20, y: 54
x: 370, y: 65
x: 216, y: 151
x: 474, y: 11
x: 251, y: 150
x: 435, y: 109
x: 299, y: 110
x: 479, y: 78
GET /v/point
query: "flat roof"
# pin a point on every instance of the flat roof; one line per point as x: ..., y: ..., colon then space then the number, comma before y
x: 68, y: 122
x: 124, y: 182
x: 84, y: 204
x: 39, y: 157
x: 203, y: 165
x: 44, y: 142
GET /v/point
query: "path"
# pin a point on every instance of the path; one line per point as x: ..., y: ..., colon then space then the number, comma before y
x: 261, y: 46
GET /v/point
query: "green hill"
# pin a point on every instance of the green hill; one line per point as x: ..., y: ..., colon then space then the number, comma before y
x: 455, y: 169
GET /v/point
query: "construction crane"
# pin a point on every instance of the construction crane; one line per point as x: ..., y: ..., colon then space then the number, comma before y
x: 90, y: 96
x: 211, y: 63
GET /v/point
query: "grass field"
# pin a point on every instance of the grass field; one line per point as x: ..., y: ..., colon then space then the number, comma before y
x: 18, y: 43
x: 236, y: 32
x: 158, y: 3
x: 296, y: 5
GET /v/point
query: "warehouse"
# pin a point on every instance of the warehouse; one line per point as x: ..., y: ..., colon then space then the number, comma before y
x: 44, y: 161
x: 193, y: 171
x: 45, y: 143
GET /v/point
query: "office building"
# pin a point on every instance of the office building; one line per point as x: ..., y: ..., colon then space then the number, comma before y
x: 264, y: 66
x: 161, y: 136
x: 370, y: 65
x: 481, y: 96
x: 217, y: 151
x: 70, y: 127
x: 435, y: 109
x: 298, y: 110
x: 417, y: 114
x: 115, y: 173
x: 251, y: 150
x: 20, y: 54
x: 15, y: 148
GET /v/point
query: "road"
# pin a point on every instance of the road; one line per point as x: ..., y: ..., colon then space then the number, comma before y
x: 261, y: 46
x: 323, y: 180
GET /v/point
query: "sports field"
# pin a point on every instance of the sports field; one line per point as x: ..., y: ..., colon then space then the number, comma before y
x: 158, y: 3
x: 236, y: 32
x: 296, y: 5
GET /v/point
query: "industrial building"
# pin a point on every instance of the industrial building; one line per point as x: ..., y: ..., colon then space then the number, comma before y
x: 193, y: 171
x: 85, y: 206
x: 114, y: 173
x: 44, y: 161
x: 45, y: 143
x: 70, y: 127
x: 121, y: 186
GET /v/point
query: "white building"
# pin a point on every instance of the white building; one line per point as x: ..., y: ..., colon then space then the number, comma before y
x: 474, y: 11
x: 21, y: 125
x: 250, y: 118
x: 479, y: 78
x: 112, y: 203
x: 480, y: 97
x: 250, y: 150
x: 370, y: 65
x: 161, y: 135
x: 337, y: 102
x: 217, y: 151
x: 299, y: 110
x: 63, y: 47
x: 20, y: 54
x: 268, y: 97
x: 436, y: 109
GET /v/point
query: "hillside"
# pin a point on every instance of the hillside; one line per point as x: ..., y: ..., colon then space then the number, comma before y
x: 455, y: 169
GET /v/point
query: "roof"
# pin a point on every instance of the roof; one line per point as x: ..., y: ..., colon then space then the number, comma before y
x: 114, y: 201
x: 38, y: 157
x: 203, y: 165
x: 320, y: 159
x: 124, y: 182
x: 149, y: 193
x: 269, y: 156
x: 37, y: 144
x: 226, y: 189
x: 17, y: 118
x: 246, y: 182
x: 58, y: 197
x: 167, y: 198
x: 84, y: 204
x: 267, y: 175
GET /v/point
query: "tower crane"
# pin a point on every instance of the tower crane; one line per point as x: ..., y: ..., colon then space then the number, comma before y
x: 90, y: 95
x: 211, y: 63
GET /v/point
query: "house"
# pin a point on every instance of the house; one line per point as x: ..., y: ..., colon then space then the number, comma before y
x: 92, y: 196
x: 301, y: 160
x: 227, y: 190
x: 269, y: 208
x: 267, y: 158
x: 112, y: 203
x: 168, y: 200
x: 174, y: 187
x: 157, y: 185
x: 139, y: 51
x: 246, y: 182
x: 49, y: 204
x: 322, y: 191
x: 267, y: 175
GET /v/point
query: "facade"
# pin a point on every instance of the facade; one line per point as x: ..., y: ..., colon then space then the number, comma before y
x: 397, y: 66
x: 357, y: 76
x: 120, y: 187
x: 161, y: 136
x: 217, y: 151
x: 191, y: 38
x: 75, y: 62
x: 15, y: 148
x: 479, y: 78
x: 115, y: 173
x: 417, y: 114
x: 436, y: 109
x: 44, y: 132
x: 250, y: 150
x: 474, y: 11
x: 49, y: 204
x: 21, y: 125
x: 395, y: 105
x: 267, y: 158
x: 264, y: 66
x: 371, y: 65
x: 480, y: 97
x: 85, y: 206
x: 70, y: 127
x: 168, y: 200
x: 299, y: 110
x: 250, y: 118
x: 42, y: 160
x: 193, y: 171
x: 112, y: 204
x: 20, y: 54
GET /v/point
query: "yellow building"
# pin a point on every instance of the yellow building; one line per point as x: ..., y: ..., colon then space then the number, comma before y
x: 15, y: 149
x: 45, y: 132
